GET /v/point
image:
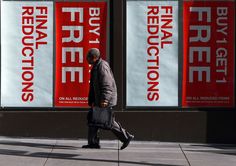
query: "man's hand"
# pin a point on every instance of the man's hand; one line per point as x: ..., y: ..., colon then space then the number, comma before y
x: 104, y: 103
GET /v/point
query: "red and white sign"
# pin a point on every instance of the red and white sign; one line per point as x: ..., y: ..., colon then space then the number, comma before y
x: 79, y: 27
x: 26, y: 54
x: 208, y: 71
x: 152, y: 53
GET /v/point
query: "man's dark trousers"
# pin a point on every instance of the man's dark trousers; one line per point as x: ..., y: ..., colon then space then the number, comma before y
x: 116, y: 128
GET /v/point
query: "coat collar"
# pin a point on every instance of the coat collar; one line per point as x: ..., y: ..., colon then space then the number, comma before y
x: 96, y: 64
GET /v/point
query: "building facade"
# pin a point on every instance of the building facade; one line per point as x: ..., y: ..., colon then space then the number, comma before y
x: 173, y: 61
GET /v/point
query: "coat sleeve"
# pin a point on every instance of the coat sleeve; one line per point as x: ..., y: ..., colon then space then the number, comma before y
x: 91, y: 97
x: 106, y: 82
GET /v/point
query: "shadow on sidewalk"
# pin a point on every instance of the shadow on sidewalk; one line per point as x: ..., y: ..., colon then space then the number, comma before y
x: 63, y: 156
x: 215, y: 148
x: 37, y: 145
x: 72, y: 157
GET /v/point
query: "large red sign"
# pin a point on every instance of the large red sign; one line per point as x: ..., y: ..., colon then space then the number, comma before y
x: 208, y: 71
x: 79, y: 27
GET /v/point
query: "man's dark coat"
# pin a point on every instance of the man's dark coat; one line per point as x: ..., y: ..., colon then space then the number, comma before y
x: 102, y: 84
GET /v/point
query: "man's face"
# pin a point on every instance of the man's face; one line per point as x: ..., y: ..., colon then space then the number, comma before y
x: 91, y: 59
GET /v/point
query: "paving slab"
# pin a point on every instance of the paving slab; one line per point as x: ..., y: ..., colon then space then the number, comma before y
x: 106, y: 156
x: 152, y: 153
x: 24, y: 152
x: 210, y: 154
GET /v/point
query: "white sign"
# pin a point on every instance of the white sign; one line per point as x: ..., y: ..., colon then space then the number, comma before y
x: 152, y: 53
x: 27, y: 54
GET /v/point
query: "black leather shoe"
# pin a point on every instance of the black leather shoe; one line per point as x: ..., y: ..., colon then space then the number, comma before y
x: 126, y: 143
x: 91, y: 146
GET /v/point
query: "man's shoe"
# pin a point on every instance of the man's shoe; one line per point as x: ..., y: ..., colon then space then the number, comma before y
x: 126, y: 143
x: 91, y: 146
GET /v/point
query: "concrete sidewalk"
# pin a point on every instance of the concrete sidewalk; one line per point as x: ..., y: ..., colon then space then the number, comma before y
x: 52, y: 152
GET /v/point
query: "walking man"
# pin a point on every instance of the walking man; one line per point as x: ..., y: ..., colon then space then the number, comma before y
x: 103, y: 94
